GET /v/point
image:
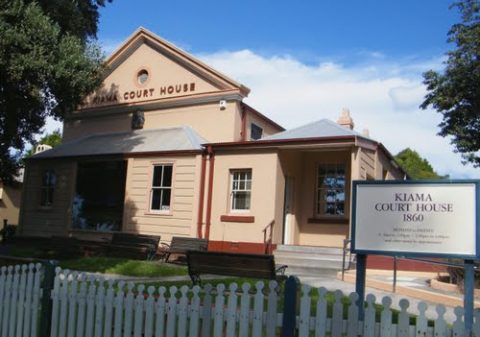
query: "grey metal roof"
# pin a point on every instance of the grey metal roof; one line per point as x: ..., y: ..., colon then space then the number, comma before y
x: 318, y: 129
x: 182, y: 138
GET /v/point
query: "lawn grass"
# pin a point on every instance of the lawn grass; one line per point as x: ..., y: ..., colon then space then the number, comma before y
x: 120, y: 266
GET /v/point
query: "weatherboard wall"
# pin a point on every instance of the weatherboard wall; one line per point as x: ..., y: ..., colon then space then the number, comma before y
x: 180, y: 220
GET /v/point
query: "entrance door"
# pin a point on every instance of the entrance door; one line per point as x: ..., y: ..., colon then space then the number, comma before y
x: 288, y: 224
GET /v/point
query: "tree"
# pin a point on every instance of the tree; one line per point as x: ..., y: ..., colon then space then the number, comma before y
x: 455, y: 93
x: 416, y: 166
x: 53, y: 139
x: 48, y: 63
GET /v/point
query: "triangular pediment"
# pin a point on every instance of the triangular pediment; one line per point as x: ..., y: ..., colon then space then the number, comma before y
x: 148, y: 69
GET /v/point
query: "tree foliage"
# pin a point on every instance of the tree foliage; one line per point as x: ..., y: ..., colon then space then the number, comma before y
x: 53, y: 139
x: 48, y: 63
x: 455, y: 93
x: 416, y: 166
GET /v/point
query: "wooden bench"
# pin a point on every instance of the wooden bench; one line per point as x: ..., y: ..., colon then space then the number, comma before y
x: 181, y: 245
x: 64, y: 246
x: 131, y: 245
x: 232, y: 264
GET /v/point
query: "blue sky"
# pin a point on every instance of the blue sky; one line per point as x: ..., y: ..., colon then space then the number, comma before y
x: 306, y: 60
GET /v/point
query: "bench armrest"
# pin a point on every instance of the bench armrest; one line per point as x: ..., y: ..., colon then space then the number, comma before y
x: 281, y: 269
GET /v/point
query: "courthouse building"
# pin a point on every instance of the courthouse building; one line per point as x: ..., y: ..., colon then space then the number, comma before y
x: 168, y: 147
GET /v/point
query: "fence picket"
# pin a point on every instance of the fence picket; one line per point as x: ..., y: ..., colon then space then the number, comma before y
x: 440, y: 328
x: 207, y: 311
x: 128, y: 307
x: 243, y: 325
x: 118, y: 308
x: 21, y: 301
x: 218, y: 311
x: 82, y: 301
x: 99, y: 308
x: 62, y: 326
x: 403, y: 326
x: 352, y: 322
x: 304, y: 317
x: 109, y: 300
x: 421, y: 326
x: 476, y: 323
x: 321, y: 317
x: 369, y: 319
x: 271, y: 317
x: 28, y: 300
x: 6, y: 303
x: 3, y: 293
x: 37, y: 293
x: 14, y: 301
x: 258, y: 310
x: 231, y: 313
x: 171, y: 311
x: 160, y: 312
x: 89, y: 321
x: 337, y: 317
x: 72, y: 298
x: 194, y: 312
x: 138, y: 317
x: 149, y: 312
x: 182, y: 312
x: 458, y: 324
x: 386, y: 317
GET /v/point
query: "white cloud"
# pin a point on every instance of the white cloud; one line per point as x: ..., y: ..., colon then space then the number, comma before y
x: 383, y: 97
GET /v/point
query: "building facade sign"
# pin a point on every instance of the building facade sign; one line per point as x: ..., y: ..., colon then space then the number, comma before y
x: 116, y: 96
x: 435, y: 218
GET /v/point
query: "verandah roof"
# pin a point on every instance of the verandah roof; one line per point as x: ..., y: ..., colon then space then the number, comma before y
x: 182, y: 138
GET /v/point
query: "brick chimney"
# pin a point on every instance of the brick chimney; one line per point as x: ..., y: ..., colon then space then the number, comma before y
x: 345, y: 120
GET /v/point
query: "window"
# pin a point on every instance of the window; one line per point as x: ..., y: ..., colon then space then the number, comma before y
x: 161, y: 188
x: 256, y: 132
x: 241, y: 189
x: 47, y: 188
x: 330, y: 196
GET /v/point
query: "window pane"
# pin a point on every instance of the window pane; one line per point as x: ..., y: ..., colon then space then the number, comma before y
x: 166, y: 198
x: 167, y: 176
x: 157, y: 175
x: 156, y: 197
x: 241, y: 200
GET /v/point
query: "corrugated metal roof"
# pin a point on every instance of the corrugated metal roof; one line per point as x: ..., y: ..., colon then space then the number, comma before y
x: 318, y: 129
x: 182, y: 138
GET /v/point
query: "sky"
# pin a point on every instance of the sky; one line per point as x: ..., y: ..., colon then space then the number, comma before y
x: 307, y: 60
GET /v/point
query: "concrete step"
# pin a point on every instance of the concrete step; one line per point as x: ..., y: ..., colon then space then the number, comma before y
x: 309, y: 260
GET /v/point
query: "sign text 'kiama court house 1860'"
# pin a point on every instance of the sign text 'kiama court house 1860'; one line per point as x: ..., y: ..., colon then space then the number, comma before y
x: 432, y: 218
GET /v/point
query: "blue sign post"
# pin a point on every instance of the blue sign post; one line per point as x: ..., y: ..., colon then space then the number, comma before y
x: 417, y: 219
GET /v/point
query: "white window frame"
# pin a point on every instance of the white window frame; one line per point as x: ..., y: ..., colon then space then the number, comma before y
x: 236, y: 188
x: 318, y: 189
x: 161, y: 187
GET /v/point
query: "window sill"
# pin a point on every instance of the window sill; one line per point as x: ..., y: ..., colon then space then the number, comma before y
x: 169, y: 213
x: 329, y: 220
x: 237, y: 218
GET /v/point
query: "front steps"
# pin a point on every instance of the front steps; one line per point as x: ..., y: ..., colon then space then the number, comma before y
x: 309, y: 260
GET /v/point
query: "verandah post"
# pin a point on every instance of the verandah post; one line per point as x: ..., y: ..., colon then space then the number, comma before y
x: 290, y: 307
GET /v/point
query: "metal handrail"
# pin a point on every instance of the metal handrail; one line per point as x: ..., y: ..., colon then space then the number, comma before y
x: 268, y: 242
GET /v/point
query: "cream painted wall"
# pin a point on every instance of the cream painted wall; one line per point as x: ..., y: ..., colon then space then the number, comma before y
x: 205, y: 119
x: 10, y: 203
x: 182, y: 218
x: 163, y: 72
x: 268, y: 129
x: 264, y: 167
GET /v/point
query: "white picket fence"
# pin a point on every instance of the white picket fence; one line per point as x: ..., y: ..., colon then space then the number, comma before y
x: 20, y: 295
x: 86, y: 306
